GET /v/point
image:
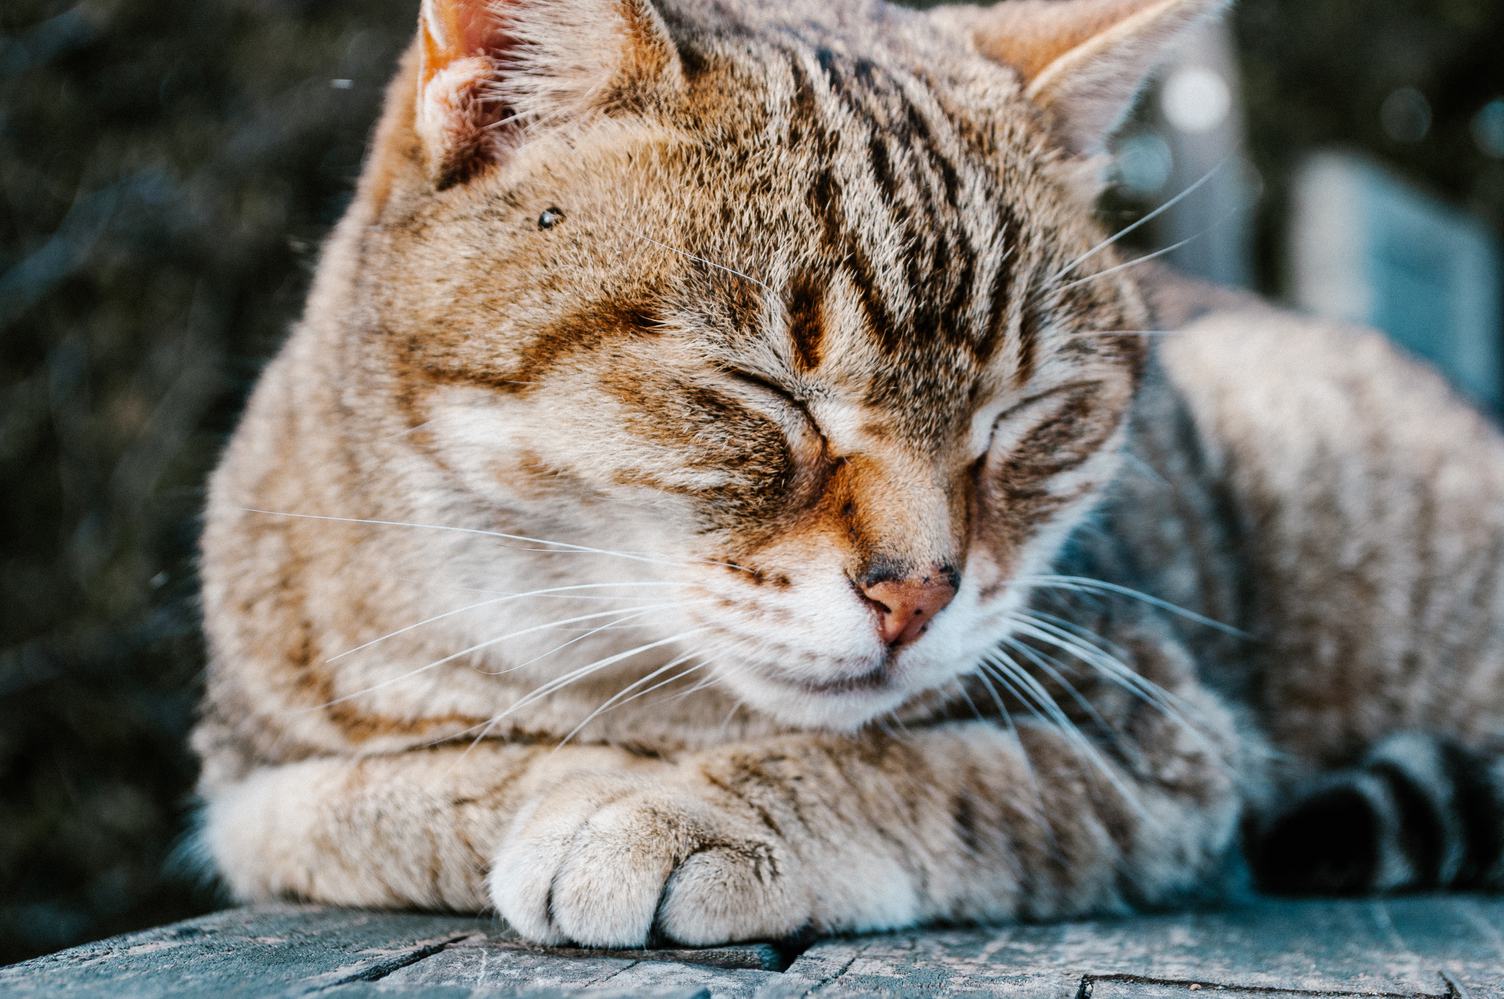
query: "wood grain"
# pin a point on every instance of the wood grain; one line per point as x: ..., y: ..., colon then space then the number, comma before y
x: 1446, y: 947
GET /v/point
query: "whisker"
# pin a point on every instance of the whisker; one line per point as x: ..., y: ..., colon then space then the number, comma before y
x: 903, y: 726
x: 1052, y: 669
x: 697, y: 258
x: 967, y: 697
x: 1087, y: 637
x: 630, y: 618
x: 1127, y: 230
x: 1086, y: 583
x: 1143, y: 466
x: 476, y: 648
x: 1101, y: 660
x: 502, y: 598
x: 736, y: 706
x: 552, y: 546
x: 1033, y: 693
x: 711, y: 679
x: 1041, y: 815
x: 1150, y: 256
x: 997, y: 701
x: 559, y: 683
x: 404, y: 432
x: 741, y: 648
x: 616, y: 700
x: 632, y: 612
x: 1113, y: 669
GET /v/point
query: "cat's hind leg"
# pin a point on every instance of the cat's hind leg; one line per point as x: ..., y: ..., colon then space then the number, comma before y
x: 1417, y: 812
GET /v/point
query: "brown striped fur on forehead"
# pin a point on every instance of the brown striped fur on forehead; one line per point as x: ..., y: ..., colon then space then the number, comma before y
x: 857, y: 214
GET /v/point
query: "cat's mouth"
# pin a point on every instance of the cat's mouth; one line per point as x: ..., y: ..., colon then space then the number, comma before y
x: 875, y: 679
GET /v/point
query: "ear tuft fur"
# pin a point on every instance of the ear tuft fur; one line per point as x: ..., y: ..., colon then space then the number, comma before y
x: 1082, y: 61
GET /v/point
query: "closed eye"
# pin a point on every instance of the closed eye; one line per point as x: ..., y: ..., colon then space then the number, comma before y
x: 799, y: 422
x: 1014, y: 423
x: 767, y: 387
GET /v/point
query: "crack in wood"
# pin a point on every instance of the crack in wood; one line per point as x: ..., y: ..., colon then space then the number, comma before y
x: 744, y: 957
x: 833, y: 977
x: 382, y: 968
x: 602, y: 980
x: 1455, y: 989
x: 1088, y: 985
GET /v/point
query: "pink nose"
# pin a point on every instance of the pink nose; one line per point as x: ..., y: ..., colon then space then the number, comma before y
x: 905, y: 606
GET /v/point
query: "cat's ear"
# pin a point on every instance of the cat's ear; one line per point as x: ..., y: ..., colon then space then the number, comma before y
x: 491, y: 70
x: 1084, y: 61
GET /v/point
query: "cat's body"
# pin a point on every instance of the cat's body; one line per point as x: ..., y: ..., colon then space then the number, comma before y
x: 792, y: 339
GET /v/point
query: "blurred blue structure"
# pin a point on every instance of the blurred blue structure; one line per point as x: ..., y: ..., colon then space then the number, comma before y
x: 1359, y: 243
x: 1370, y: 248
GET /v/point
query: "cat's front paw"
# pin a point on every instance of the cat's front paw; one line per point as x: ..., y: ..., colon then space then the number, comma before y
x: 615, y: 861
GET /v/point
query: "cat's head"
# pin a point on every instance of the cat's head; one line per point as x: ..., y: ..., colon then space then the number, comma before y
x: 809, y: 307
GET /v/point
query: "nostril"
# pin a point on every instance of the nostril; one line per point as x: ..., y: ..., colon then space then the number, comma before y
x: 905, y: 606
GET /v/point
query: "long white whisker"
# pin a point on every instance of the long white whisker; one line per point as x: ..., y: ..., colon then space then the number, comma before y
x: 1099, y: 659
x: 736, y: 706
x: 734, y: 646
x: 699, y: 259
x: 621, y: 696
x: 628, y: 620
x: 997, y: 701
x: 476, y: 648
x: 1149, y: 256
x: 629, y: 612
x: 1053, y: 669
x: 1086, y: 583
x: 967, y: 697
x: 1041, y: 811
x: 709, y: 680
x: 1035, y: 693
x: 561, y: 546
x: 503, y: 598
x: 1109, y: 666
x: 558, y: 683
x: 1085, y: 635
x: 1196, y: 186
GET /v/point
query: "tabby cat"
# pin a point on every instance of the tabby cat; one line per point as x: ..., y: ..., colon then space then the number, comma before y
x: 723, y: 487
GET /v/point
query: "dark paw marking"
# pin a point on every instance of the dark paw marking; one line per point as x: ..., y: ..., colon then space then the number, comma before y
x: 1327, y: 843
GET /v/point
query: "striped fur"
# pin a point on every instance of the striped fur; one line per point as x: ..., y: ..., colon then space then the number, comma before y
x: 655, y: 333
x: 1418, y: 812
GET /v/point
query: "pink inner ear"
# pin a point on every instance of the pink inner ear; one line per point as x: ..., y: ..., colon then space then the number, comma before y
x: 465, y: 45
x: 459, y: 29
x: 480, y: 28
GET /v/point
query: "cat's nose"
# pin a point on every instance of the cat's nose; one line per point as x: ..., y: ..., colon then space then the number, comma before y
x: 906, y: 605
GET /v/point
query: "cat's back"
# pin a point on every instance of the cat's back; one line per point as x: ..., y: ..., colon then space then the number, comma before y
x: 1351, y: 518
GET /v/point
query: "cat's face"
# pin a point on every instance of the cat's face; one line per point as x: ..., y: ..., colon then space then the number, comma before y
x: 812, y: 333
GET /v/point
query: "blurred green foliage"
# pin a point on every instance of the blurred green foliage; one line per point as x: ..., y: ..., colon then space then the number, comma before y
x: 167, y: 168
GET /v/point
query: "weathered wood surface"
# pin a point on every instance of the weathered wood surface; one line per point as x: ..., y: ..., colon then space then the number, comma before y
x: 1450, y: 947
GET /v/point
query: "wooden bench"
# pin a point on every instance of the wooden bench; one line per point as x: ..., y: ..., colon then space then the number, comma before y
x: 1439, y: 947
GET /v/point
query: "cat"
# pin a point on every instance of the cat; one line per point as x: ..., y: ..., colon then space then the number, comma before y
x: 724, y: 487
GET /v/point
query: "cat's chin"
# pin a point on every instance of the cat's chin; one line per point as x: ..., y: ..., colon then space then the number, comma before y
x: 843, y: 704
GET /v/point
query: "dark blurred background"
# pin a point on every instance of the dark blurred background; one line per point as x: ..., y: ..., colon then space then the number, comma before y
x: 168, y: 168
